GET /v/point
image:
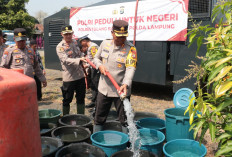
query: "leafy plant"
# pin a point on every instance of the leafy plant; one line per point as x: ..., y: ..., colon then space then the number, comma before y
x: 214, y: 96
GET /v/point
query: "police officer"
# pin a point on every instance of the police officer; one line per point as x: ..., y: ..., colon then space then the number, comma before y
x: 20, y: 56
x: 119, y: 58
x: 71, y: 60
x: 33, y: 45
x: 3, y: 46
x: 92, y: 49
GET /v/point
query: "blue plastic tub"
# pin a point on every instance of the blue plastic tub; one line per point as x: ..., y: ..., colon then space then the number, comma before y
x: 184, y: 148
x: 151, y: 123
x: 177, y: 124
x: 152, y: 140
x: 110, y: 141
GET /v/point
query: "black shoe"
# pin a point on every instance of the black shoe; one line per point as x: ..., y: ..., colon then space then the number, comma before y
x: 90, y: 105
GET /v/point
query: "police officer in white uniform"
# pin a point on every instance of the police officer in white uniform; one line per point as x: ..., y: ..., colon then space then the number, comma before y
x: 71, y: 60
x: 119, y: 58
x: 3, y: 46
x: 20, y: 56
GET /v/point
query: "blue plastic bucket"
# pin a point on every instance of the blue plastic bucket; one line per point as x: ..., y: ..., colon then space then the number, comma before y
x: 184, y: 148
x: 152, y: 140
x: 151, y: 123
x: 110, y: 141
x: 177, y: 124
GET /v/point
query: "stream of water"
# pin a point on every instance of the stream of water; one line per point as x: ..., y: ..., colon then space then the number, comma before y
x: 134, y: 135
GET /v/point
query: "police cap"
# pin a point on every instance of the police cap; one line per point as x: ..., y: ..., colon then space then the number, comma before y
x: 66, y: 29
x: 32, y: 41
x: 84, y: 38
x: 20, y: 34
x: 120, y: 28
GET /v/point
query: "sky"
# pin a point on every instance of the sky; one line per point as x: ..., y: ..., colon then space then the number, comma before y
x: 52, y: 6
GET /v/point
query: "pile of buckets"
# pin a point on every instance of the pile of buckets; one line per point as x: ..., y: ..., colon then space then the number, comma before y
x: 71, y: 135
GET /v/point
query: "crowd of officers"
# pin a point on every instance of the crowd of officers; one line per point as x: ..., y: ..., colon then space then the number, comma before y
x: 116, y: 56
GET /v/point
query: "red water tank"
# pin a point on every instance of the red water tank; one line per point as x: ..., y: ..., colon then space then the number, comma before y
x: 19, y: 118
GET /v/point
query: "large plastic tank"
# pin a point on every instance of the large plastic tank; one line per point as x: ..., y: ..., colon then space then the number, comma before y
x: 19, y: 118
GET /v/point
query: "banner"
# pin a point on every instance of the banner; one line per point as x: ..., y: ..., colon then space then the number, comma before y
x: 157, y: 20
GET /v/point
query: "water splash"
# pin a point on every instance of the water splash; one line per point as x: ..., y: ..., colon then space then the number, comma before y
x: 134, y: 135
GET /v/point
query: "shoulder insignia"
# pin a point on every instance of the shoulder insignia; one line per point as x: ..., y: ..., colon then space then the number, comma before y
x: 131, y: 59
x: 130, y: 44
x: 16, y: 51
x: 61, y: 49
x: 29, y: 51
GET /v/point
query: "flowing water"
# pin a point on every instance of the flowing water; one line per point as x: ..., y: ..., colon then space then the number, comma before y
x: 133, y: 131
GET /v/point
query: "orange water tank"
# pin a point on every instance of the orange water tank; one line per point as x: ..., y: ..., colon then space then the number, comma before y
x: 19, y: 118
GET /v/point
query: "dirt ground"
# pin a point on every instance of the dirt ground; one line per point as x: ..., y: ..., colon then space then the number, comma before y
x: 145, y: 98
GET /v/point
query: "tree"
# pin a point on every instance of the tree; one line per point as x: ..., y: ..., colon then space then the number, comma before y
x: 40, y: 15
x: 14, y: 15
x: 214, y: 101
x: 65, y: 8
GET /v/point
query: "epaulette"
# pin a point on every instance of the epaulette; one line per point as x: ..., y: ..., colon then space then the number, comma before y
x: 130, y: 44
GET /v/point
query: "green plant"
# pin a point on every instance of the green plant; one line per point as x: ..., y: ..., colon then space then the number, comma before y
x: 214, y: 92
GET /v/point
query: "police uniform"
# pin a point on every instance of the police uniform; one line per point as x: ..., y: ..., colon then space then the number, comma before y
x: 73, y: 75
x: 15, y: 58
x: 38, y: 82
x: 3, y: 46
x: 120, y: 61
x: 94, y: 74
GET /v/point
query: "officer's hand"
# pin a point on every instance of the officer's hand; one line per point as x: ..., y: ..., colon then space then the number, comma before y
x: 123, y: 89
x: 44, y: 84
x: 83, y: 59
x: 44, y: 72
x: 102, y: 69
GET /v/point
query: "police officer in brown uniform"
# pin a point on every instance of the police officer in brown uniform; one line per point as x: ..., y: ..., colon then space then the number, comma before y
x: 3, y: 46
x: 119, y: 58
x: 71, y: 59
x: 92, y: 49
x: 20, y: 56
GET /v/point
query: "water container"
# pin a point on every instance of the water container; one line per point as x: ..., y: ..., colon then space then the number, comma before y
x: 128, y: 153
x: 50, y: 145
x: 152, y: 123
x: 152, y: 140
x: 141, y: 115
x: 72, y: 134
x: 110, y: 141
x: 46, y: 130
x: 19, y: 118
x: 184, y: 148
x: 177, y: 124
x: 112, y: 125
x: 76, y: 120
x: 80, y: 150
x: 49, y: 116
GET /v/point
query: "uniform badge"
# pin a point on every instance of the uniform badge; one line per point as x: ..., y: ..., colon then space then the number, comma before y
x: 119, y: 65
x: 4, y: 56
x: 17, y: 56
x: 133, y: 52
x: 16, y: 51
x: 61, y: 49
x: 29, y: 51
x: 70, y: 52
x: 93, y: 51
x: 6, y: 53
x: 17, y: 60
x: 107, y: 48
